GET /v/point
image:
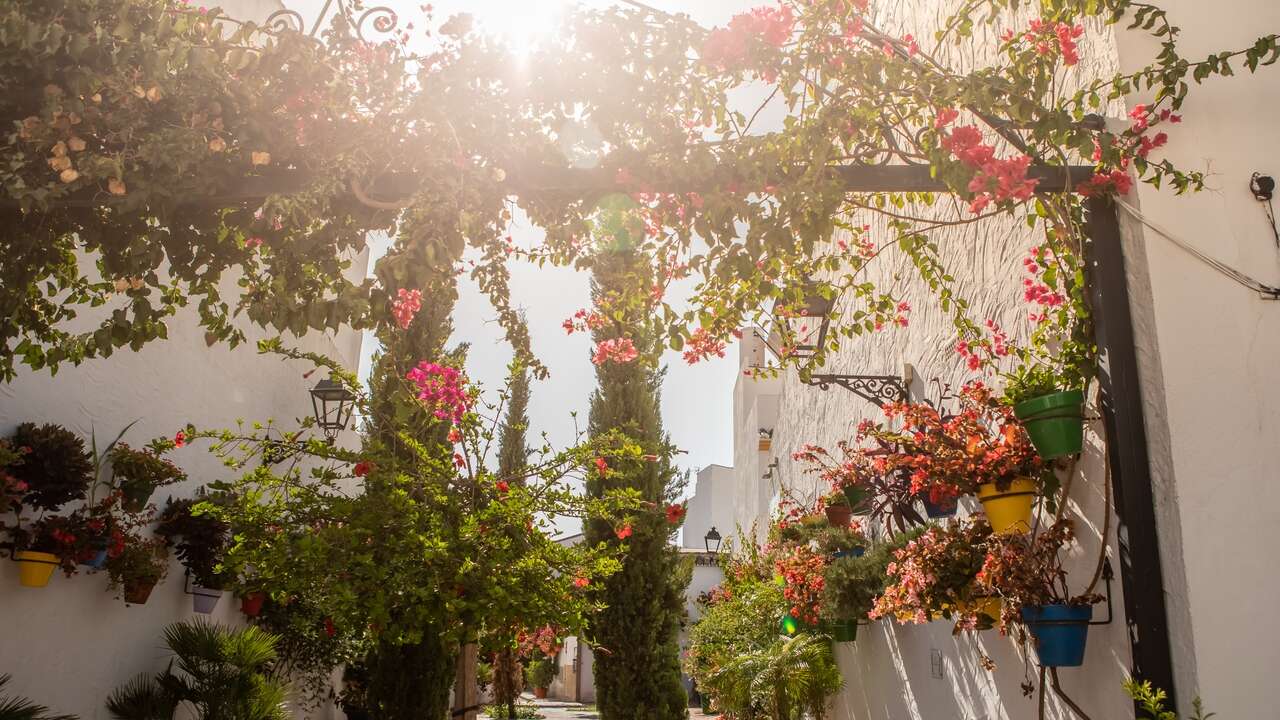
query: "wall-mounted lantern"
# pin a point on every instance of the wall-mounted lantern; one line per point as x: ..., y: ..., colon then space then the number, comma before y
x: 712, y: 541
x: 808, y: 325
x: 332, y: 404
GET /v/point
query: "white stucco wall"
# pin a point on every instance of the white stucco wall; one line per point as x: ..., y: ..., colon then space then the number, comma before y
x: 710, y: 506
x: 70, y: 644
x: 1208, y: 348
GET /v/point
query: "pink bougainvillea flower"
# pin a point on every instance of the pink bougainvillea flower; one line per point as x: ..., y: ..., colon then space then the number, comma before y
x: 180, y: 439
x: 454, y: 435
x: 442, y: 389
x: 702, y: 345
x: 581, y: 582
x: 617, y: 350
x: 406, y: 306
x: 602, y: 467
x: 503, y: 487
x: 623, y: 532
x: 362, y: 468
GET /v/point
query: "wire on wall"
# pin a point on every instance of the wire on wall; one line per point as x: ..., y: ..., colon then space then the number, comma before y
x: 1267, y: 291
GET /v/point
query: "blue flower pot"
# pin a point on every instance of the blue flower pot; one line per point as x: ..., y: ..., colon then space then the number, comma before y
x: 937, y: 512
x: 855, y: 552
x: 97, y: 561
x: 1060, y: 632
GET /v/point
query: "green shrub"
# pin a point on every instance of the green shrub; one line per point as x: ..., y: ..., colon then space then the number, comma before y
x: 853, y: 583
x: 541, y: 672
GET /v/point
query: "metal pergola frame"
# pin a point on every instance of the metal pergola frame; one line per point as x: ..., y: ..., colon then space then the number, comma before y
x: 1122, y: 408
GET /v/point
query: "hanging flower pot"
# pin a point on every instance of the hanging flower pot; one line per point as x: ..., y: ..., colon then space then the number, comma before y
x: 251, y: 604
x: 203, y: 599
x: 852, y: 552
x: 857, y: 497
x: 35, y: 568
x: 136, y: 592
x: 1054, y: 422
x: 766, y: 443
x: 839, y: 515
x: 134, y: 495
x: 1009, y: 510
x: 1060, y: 632
x: 936, y: 511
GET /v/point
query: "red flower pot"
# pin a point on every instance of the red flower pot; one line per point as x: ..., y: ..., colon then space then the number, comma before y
x: 251, y: 604
x: 137, y: 592
x: 540, y: 693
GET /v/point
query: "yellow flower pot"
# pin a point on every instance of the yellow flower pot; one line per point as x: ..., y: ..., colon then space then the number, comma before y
x: 989, y: 606
x: 1009, y: 510
x: 35, y: 568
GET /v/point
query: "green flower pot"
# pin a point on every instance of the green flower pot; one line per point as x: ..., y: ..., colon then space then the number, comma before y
x: 1055, y: 423
x: 136, y: 495
x: 857, y: 497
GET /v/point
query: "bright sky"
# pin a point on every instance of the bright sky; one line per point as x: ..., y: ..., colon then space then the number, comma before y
x: 697, y: 400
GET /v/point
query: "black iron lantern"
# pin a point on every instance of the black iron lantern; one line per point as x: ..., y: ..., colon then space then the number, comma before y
x: 807, y: 321
x: 332, y: 404
x: 712, y: 541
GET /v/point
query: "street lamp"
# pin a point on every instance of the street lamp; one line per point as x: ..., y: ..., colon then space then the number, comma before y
x: 712, y: 541
x: 807, y: 322
x: 332, y: 404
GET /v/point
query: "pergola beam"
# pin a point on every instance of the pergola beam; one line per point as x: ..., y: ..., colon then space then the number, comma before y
x: 586, y: 181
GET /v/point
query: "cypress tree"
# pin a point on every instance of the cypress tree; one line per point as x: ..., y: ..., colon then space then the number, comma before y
x: 637, y: 668
x: 513, y: 455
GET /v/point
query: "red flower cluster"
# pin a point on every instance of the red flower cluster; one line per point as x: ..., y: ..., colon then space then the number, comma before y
x: 802, y: 568
x: 406, y: 306
x: 618, y: 350
x: 995, y: 180
x: 702, y: 346
x: 729, y: 48
x: 545, y: 640
x: 675, y: 512
x: 442, y: 389
x: 362, y: 468
x: 583, y: 321
x: 602, y: 467
x: 623, y: 532
x: 1052, y: 37
x: 949, y: 457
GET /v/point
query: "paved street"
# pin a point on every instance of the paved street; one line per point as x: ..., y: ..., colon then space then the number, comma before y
x: 551, y: 709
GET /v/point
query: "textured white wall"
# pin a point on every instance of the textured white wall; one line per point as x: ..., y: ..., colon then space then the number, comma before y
x: 710, y: 506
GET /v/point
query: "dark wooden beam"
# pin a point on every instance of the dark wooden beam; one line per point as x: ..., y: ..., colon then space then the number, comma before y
x: 584, y: 181
x: 1139, y: 543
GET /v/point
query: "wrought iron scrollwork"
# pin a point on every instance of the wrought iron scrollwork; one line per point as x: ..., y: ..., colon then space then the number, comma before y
x: 381, y: 19
x: 878, y: 389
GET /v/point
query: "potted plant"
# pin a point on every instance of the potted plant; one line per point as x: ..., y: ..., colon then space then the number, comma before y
x: 542, y: 671
x: 766, y: 439
x: 251, y: 603
x: 870, y: 484
x: 1026, y: 572
x: 38, y: 549
x: 933, y: 576
x: 138, y: 566
x: 54, y: 466
x: 1052, y: 414
x: 851, y: 584
x: 836, y: 506
x: 137, y: 474
x: 980, y: 450
x: 200, y: 541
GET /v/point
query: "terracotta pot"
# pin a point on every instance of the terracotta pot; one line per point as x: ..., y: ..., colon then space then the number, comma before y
x: 765, y: 444
x: 136, y: 592
x: 540, y: 693
x: 839, y: 515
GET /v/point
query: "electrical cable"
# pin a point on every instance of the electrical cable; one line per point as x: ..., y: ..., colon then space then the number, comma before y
x: 1268, y: 291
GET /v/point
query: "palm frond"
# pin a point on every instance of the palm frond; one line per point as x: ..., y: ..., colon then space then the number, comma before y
x: 143, y: 698
x: 20, y: 708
